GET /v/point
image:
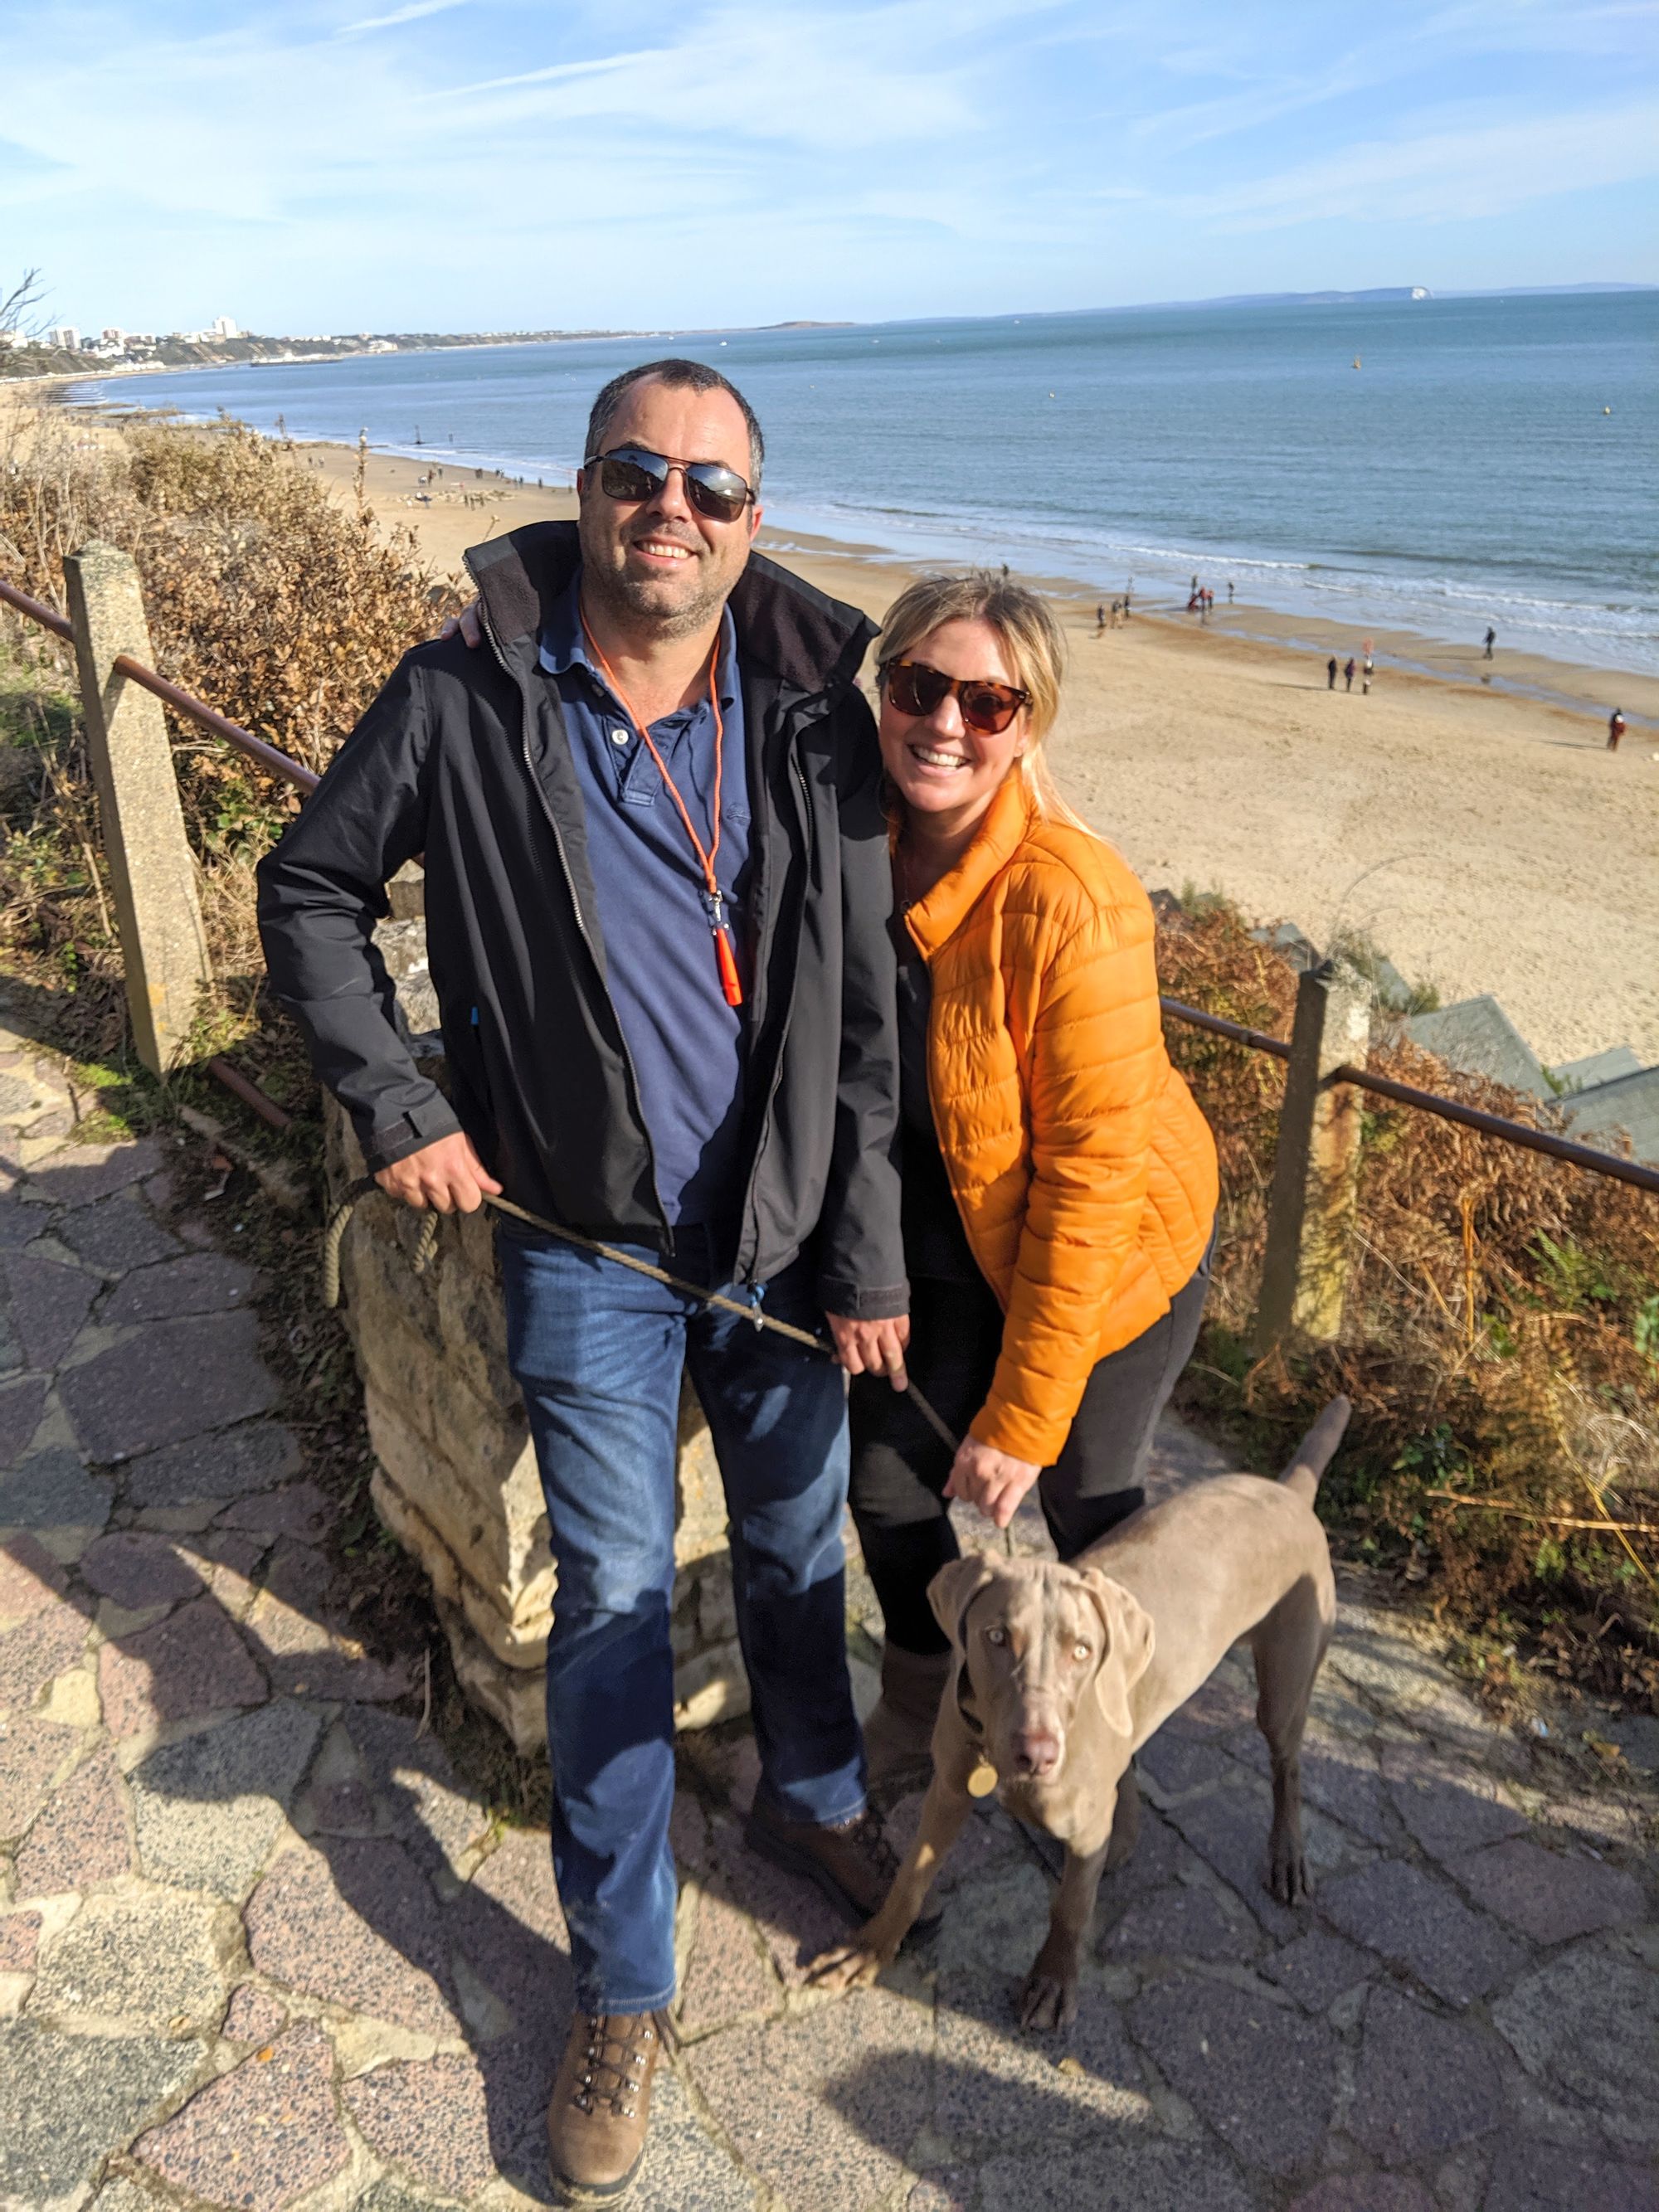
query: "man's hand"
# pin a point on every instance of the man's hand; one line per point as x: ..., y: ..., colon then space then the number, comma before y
x: 872, y: 1347
x: 468, y: 622
x: 447, y: 1176
x: 995, y: 1481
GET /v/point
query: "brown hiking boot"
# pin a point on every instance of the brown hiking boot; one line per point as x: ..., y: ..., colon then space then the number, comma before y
x: 852, y: 1863
x: 898, y: 1736
x: 601, y: 2103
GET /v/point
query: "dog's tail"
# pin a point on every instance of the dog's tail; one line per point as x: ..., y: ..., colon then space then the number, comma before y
x: 1314, y: 1453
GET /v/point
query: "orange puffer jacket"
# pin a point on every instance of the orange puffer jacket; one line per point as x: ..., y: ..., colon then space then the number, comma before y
x: 1084, y: 1172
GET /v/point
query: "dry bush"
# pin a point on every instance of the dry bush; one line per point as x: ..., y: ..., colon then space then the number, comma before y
x: 281, y: 609
x: 1500, y: 1339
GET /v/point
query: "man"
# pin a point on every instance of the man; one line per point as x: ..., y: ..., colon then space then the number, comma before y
x: 1491, y: 640
x: 657, y: 903
x: 1615, y: 730
x: 1330, y: 673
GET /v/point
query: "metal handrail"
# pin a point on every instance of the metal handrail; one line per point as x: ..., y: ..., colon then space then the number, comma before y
x: 181, y: 701
x: 1383, y: 1086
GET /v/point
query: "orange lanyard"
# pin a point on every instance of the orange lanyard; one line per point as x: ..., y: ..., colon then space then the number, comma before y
x: 725, y: 958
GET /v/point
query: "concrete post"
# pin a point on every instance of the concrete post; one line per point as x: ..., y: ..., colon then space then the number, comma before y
x: 1317, y: 1164
x: 152, y: 870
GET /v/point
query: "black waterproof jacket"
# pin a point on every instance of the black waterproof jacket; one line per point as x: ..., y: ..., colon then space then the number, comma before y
x: 463, y: 760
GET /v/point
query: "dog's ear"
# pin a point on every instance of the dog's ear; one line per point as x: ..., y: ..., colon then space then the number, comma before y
x: 1127, y: 1651
x: 953, y: 1590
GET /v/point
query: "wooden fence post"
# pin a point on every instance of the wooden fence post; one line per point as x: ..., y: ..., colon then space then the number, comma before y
x: 1315, y: 1164
x: 152, y: 870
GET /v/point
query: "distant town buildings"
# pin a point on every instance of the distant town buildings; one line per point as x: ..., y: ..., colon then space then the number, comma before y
x: 66, y: 337
x: 224, y: 328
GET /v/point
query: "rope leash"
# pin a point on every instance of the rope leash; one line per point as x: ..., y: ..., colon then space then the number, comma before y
x: 427, y: 1244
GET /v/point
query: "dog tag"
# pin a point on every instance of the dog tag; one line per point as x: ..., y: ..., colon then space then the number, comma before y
x: 983, y: 1779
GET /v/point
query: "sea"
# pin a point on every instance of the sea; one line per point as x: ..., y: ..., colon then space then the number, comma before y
x: 1432, y: 465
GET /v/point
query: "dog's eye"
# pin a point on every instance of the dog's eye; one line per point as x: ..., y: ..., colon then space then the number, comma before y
x: 996, y: 1636
x: 1079, y: 1651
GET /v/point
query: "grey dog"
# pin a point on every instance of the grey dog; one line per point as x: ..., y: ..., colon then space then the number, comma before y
x: 1062, y: 1673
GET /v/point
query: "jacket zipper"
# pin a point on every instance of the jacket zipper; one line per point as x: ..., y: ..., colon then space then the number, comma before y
x: 788, y: 1016
x: 933, y: 1113
x: 576, y: 908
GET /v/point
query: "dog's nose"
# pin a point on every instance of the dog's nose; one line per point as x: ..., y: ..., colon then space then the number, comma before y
x: 1036, y: 1751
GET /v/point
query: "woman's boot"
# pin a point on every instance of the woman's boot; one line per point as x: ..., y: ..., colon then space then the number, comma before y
x: 899, y: 1733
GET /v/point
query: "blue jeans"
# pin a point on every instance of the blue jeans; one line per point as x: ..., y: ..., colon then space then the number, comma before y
x: 598, y: 1351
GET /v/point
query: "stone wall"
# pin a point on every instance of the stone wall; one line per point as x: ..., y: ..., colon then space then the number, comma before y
x: 456, y: 1481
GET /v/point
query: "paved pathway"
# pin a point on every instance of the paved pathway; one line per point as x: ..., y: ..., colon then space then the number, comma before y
x: 259, y: 1949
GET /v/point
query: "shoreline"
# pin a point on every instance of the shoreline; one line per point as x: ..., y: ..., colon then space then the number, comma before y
x: 1477, y: 831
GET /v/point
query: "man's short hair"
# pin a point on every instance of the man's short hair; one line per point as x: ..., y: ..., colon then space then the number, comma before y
x: 679, y: 376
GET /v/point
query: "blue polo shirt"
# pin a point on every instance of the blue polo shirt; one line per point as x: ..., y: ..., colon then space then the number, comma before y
x: 686, y: 1043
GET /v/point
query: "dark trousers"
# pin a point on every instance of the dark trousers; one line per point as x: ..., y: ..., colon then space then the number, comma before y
x: 900, y: 1467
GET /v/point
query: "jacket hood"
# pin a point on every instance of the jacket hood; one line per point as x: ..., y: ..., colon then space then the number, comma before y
x: 812, y: 642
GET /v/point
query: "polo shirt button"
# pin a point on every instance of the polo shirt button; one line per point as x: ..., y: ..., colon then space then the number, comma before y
x: 619, y: 735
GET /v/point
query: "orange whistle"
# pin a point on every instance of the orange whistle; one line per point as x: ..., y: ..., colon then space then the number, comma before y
x: 728, y: 963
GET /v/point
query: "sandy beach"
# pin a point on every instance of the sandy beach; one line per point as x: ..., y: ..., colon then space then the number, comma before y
x: 1477, y: 831
x: 1484, y: 839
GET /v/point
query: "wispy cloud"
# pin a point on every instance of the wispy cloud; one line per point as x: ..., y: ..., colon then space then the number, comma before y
x: 413, y: 13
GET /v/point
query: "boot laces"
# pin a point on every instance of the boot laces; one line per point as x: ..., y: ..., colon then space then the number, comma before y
x: 613, y: 2067
x: 868, y: 1838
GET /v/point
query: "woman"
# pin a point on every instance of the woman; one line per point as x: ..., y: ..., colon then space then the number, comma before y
x: 1060, y: 1183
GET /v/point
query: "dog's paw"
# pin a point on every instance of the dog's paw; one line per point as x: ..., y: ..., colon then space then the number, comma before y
x: 845, y: 1966
x: 1047, y: 2000
x: 1288, y: 1878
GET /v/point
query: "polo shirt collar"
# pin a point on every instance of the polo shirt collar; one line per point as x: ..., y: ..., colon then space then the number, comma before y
x: 563, y: 645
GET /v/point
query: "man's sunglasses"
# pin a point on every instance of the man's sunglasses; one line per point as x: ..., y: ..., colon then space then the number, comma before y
x: 633, y: 472
x: 987, y: 708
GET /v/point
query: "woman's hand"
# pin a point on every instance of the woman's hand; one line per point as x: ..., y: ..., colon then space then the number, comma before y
x: 872, y: 1347
x: 468, y: 621
x: 992, y: 1480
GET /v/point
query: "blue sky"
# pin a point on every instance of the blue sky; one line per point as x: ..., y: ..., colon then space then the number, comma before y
x: 487, y: 164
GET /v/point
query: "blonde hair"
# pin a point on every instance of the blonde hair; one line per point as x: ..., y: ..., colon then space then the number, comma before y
x: 1031, y: 644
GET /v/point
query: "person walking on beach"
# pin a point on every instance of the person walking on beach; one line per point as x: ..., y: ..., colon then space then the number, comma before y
x: 1330, y: 673
x: 1615, y: 730
x: 1347, y: 673
x: 1100, y: 617
x: 1491, y: 640
x: 657, y: 891
x: 1367, y: 668
x: 1229, y: 591
x: 1059, y: 1181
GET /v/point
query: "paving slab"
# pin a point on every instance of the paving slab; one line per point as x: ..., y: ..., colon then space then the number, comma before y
x: 51, y: 1489
x: 116, y: 1234
x: 847, y: 2088
x: 83, y: 1837
x: 20, y: 1223
x: 30, y: 1578
x: 170, y: 1380
x: 298, y: 1509
x: 1587, y: 2022
x: 1550, y: 1895
x: 1228, y: 1830
x: 183, y: 1667
x: 80, y: 1175
x: 22, y: 1404
x: 358, y: 1927
x: 19, y: 1940
x: 1449, y: 1806
x: 683, y: 2170
x: 1424, y: 2084
x: 1366, y: 2192
x: 203, y: 1282
x: 1407, y: 1917
x: 253, y: 2015
x: 441, y: 1825
x: 67, y: 2101
x: 137, y: 1570
x: 728, y: 1975
x: 49, y: 1302
x: 209, y: 1809
x: 1139, y: 2174
x: 1534, y: 2177
x: 259, y: 2136
x: 1318, y: 1968
x: 50, y: 1640
x: 31, y: 1753
x: 1185, y: 1922
x: 996, y: 2084
x: 151, y: 1961
x: 1218, y: 2045
x: 430, y: 2116
x: 228, y: 1464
